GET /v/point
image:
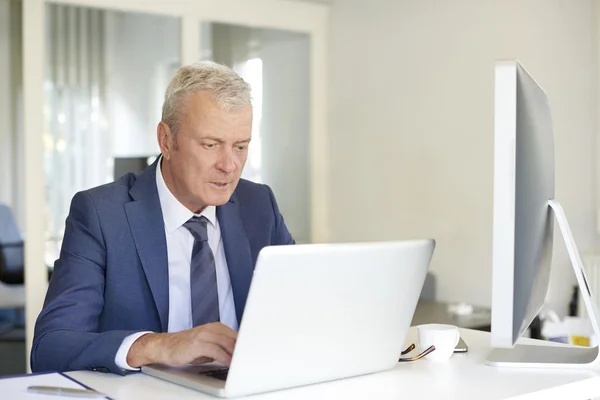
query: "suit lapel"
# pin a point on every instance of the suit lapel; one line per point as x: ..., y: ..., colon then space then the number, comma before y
x: 147, y: 227
x: 237, y: 253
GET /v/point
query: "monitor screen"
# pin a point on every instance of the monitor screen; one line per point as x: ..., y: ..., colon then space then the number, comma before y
x: 523, y: 185
x: 125, y: 165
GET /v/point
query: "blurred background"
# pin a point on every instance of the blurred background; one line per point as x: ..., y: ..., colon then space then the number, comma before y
x: 373, y: 121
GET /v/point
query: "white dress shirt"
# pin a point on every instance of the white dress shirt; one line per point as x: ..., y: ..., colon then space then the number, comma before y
x: 179, y: 253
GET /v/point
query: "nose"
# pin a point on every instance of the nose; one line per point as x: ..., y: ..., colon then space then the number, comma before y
x: 227, y: 162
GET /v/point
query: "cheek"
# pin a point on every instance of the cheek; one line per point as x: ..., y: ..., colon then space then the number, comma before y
x: 203, y: 170
x: 242, y: 158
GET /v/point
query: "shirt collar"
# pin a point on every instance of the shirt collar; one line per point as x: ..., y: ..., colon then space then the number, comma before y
x: 174, y: 213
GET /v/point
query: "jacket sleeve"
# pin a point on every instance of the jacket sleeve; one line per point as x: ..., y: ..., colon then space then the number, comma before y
x: 280, y: 235
x: 67, y: 336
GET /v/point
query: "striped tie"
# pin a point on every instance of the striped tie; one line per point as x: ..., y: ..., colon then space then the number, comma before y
x: 203, y: 275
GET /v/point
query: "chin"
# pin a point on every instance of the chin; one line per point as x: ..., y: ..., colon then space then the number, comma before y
x: 217, y: 196
x: 220, y: 199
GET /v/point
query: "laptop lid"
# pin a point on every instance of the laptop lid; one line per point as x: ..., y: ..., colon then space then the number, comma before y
x: 321, y: 312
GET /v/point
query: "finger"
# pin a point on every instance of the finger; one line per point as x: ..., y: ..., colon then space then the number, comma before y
x: 222, y: 329
x: 202, y: 360
x: 225, y: 342
x: 217, y: 353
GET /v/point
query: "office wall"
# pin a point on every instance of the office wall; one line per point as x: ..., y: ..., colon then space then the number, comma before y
x: 411, y: 142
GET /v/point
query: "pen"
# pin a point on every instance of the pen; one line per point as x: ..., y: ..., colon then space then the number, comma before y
x: 62, y: 391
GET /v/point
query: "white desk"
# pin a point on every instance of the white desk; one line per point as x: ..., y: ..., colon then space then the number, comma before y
x: 463, y: 377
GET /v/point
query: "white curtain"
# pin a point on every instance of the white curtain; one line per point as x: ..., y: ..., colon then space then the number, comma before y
x: 75, y: 138
x: 11, y: 105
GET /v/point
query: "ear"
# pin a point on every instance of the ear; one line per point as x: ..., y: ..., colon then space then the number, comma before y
x: 165, y: 139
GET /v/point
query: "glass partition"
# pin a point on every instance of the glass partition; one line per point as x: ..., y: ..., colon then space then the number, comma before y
x: 276, y: 64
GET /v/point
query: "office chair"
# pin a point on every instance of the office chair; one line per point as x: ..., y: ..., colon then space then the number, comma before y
x: 12, y: 271
x: 11, y: 249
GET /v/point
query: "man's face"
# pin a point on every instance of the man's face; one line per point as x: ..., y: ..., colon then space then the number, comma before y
x: 203, y: 161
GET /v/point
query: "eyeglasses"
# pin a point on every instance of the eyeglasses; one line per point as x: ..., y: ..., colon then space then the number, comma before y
x: 418, y: 356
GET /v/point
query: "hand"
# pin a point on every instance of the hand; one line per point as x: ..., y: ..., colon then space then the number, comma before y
x: 201, y: 344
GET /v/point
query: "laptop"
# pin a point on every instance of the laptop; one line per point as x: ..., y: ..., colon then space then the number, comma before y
x: 317, y: 313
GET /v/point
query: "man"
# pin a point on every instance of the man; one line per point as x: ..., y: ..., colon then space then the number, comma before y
x: 156, y: 268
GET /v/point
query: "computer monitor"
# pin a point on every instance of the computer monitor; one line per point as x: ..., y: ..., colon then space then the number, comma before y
x: 524, y: 212
x: 125, y: 165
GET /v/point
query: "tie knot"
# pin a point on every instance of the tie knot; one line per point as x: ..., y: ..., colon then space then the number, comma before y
x: 197, y: 227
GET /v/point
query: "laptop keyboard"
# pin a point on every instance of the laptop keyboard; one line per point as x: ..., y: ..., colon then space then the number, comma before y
x: 220, y: 374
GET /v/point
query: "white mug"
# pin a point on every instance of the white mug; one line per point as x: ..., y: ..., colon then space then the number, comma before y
x: 443, y: 337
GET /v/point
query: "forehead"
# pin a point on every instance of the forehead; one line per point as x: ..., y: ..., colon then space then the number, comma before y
x: 201, y: 112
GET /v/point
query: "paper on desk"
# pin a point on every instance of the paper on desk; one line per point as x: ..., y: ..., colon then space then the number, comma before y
x: 16, y: 388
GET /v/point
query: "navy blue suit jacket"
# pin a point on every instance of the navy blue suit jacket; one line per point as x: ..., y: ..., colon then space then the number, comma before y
x: 111, y: 279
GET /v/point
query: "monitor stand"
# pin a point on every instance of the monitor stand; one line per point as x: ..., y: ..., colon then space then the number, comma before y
x: 558, y: 356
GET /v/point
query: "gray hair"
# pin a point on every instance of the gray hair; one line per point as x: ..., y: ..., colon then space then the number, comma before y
x: 228, y: 89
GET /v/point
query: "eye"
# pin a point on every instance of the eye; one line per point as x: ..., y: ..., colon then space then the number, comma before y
x: 209, y: 145
x: 242, y: 147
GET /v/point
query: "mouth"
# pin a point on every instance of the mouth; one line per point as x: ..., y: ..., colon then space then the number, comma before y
x: 220, y: 185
